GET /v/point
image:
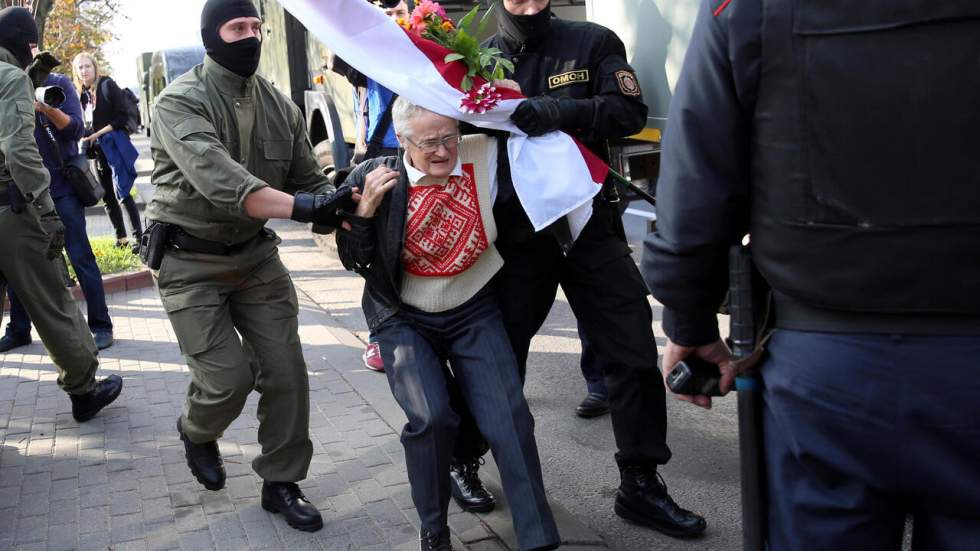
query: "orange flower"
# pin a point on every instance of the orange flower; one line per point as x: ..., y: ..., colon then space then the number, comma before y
x: 447, y: 25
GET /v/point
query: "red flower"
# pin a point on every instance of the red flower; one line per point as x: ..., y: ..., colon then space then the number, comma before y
x: 480, y: 100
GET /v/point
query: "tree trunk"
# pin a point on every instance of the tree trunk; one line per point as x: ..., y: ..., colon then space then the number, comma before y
x: 42, y: 9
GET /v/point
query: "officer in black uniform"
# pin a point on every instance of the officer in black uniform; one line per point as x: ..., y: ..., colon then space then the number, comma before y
x: 842, y: 138
x: 577, y: 80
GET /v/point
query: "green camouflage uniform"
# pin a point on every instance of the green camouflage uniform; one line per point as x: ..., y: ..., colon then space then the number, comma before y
x: 24, y: 245
x: 217, y: 137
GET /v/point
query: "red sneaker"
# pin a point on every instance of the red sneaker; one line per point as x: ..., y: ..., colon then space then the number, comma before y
x: 372, y: 358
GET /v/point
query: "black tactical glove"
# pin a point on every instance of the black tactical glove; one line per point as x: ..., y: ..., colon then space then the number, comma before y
x: 51, y: 224
x: 538, y: 115
x: 41, y: 67
x: 325, y: 209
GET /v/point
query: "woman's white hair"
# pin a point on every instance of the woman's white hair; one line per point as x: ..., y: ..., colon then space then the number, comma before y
x: 402, y: 114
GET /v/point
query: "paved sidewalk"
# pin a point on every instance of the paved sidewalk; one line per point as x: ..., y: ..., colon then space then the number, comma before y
x: 120, y: 481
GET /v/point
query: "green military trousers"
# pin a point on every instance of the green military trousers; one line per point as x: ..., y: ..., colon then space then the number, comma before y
x: 59, y: 322
x: 235, y: 318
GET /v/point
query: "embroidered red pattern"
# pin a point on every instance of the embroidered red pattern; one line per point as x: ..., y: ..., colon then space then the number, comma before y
x: 444, y: 235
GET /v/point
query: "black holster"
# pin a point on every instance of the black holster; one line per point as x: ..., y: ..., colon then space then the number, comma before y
x: 153, y: 244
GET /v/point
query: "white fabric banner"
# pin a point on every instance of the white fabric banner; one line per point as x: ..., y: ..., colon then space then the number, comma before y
x: 550, y: 174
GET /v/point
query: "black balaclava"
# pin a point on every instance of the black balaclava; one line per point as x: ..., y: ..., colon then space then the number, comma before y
x: 518, y: 30
x: 17, y: 32
x: 240, y: 57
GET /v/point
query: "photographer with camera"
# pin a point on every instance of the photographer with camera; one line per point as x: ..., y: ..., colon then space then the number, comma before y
x: 32, y: 231
x: 59, y: 127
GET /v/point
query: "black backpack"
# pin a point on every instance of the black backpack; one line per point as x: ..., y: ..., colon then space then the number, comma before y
x: 131, y: 104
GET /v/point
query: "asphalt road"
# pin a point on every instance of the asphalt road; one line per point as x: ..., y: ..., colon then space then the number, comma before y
x: 577, y: 454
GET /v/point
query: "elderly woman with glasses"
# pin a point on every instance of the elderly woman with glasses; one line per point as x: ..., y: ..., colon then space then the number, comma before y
x: 423, y: 239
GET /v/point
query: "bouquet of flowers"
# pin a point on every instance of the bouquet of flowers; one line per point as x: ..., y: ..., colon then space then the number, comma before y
x: 429, y: 21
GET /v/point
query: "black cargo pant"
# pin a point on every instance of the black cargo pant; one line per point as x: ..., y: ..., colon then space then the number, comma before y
x: 609, y: 299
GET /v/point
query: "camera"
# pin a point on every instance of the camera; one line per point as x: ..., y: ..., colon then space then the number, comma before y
x: 52, y: 96
x: 695, y: 377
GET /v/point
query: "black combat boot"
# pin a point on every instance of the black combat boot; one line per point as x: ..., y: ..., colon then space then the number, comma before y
x: 204, y: 460
x: 468, y: 489
x: 643, y: 499
x: 286, y: 498
x: 435, y: 542
x: 85, y: 406
x: 594, y: 405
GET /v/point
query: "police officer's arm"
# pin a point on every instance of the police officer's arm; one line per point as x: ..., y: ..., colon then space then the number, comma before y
x: 304, y: 171
x: 616, y: 109
x: 185, y: 132
x: 17, y: 143
x: 704, y: 180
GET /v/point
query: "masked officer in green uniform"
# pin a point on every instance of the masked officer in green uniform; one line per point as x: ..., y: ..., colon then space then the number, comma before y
x: 231, y: 152
x: 32, y: 232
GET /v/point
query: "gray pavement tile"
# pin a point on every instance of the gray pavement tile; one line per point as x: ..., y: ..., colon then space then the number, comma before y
x: 93, y: 519
x: 157, y: 511
x: 31, y: 529
x: 94, y: 541
x: 363, y: 532
x: 216, y: 502
x: 225, y: 526
x: 353, y: 470
x: 190, y: 519
x: 33, y: 504
x: 124, y: 528
x: 196, y: 541
x: 386, y: 513
x: 183, y: 495
x: 8, y: 522
x: 161, y: 536
x: 260, y: 533
x: 135, y: 545
x: 243, y: 487
x: 373, y: 456
x: 11, y: 476
x: 153, y: 487
x: 122, y: 503
x: 64, y: 469
x: 92, y: 496
x: 62, y: 538
x: 332, y: 484
x: 369, y: 490
x: 64, y: 489
x: 64, y: 511
x: 347, y: 506
x: 40, y: 546
x: 93, y: 475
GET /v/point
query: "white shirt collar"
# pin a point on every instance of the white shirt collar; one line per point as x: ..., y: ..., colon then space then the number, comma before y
x: 415, y: 175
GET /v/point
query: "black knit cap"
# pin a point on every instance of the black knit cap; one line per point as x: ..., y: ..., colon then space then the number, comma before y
x: 218, y: 12
x: 17, y: 32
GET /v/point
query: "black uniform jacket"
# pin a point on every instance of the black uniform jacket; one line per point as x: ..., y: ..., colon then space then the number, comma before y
x: 585, y: 63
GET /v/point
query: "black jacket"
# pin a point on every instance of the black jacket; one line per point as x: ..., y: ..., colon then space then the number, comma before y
x: 108, y: 110
x: 795, y: 122
x: 373, y: 246
x: 587, y: 63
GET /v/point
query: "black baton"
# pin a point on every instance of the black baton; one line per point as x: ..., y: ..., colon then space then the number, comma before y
x: 749, y: 388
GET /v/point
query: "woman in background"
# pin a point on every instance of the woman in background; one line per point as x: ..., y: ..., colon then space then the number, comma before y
x: 108, y: 143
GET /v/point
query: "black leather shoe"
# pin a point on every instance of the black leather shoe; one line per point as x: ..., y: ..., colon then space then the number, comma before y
x: 468, y: 489
x: 643, y: 499
x: 288, y: 499
x: 594, y: 405
x: 204, y: 460
x: 9, y: 342
x: 85, y: 406
x: 435, y: 542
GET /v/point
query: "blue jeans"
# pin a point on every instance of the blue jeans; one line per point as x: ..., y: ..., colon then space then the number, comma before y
x: 80, y: 254
x: 471, y: 338
x: 862, y: 430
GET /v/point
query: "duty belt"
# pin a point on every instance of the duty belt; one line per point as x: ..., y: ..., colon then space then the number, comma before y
x: 180, y: 239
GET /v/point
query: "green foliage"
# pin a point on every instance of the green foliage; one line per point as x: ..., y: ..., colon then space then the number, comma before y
x: 486, y: 63
x: 110, y: 259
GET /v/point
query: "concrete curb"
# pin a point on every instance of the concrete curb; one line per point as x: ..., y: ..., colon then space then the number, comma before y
x: 576, y: 535
x: 117, y: 283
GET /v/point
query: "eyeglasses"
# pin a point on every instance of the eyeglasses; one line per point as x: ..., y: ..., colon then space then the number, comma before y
x: 431, y: 146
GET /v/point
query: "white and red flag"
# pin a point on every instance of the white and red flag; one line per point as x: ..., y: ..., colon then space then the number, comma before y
x: 554, y: 175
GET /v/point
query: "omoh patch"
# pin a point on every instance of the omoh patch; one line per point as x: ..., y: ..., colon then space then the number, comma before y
x: 627, y: 83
